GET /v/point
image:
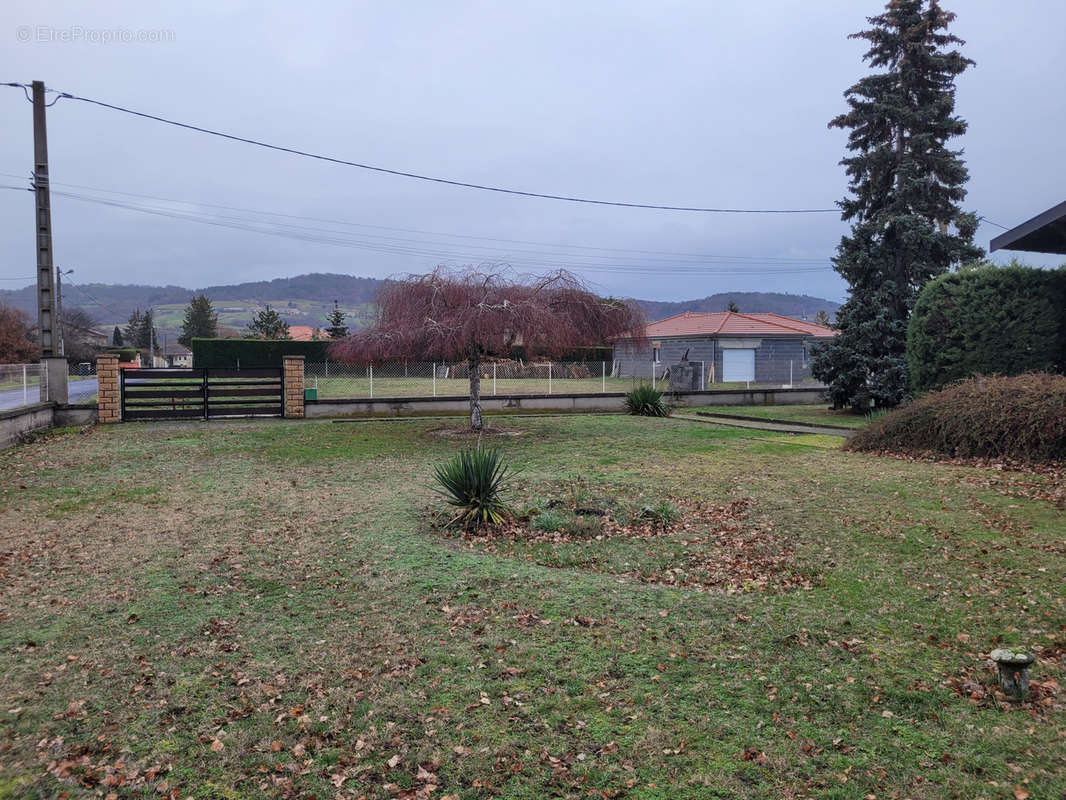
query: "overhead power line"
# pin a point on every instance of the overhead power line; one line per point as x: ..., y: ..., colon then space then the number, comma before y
x: 990, y: 222
x: 585, y: 257
x: 430, y: 178
x: 93, y: 299
x: 429, y: 249
x: 415, y: 247
x: 350, y: 223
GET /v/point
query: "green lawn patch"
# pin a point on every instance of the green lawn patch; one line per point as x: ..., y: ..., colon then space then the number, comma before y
x: 272, y: 609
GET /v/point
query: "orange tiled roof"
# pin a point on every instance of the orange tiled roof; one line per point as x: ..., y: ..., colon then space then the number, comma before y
x: 305, y: 333
x: 731, y: 323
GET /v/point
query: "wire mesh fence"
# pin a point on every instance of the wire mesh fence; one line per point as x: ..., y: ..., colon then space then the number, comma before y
x: 335, y: 381
x: 449, y: 379
x: 21, y: 384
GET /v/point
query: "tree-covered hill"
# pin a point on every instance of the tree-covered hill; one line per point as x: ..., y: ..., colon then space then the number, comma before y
x: 305, y: 299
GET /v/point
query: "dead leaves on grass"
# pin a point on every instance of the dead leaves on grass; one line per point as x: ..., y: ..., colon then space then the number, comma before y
x: 1028, y: 481
x: 721, y: 549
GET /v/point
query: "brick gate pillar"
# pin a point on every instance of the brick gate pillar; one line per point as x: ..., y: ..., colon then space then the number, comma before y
x: 108, y: 404
x: 293, y: 392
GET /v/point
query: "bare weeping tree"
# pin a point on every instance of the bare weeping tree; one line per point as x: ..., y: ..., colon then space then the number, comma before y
x: 473, y: 314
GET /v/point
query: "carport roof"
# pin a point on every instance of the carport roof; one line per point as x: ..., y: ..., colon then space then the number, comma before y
x: 1044, y: 233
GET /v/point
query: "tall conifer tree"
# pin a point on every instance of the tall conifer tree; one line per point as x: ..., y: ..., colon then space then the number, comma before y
x: 141, y: 332
x: 134, y: 329
x: 904, y: 199
x: 201, y: 321
x: 335, y: 319
x: 268, y: 324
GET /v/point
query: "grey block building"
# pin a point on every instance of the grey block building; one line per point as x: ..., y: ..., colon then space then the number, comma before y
x: 731, y: 348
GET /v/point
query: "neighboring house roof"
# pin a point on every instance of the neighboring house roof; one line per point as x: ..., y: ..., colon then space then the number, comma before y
x: 732, y: 323
x: 305, y: 333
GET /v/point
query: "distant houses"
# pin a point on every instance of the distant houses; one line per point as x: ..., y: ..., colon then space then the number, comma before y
x: 305, y: 333
x: 732, y: 347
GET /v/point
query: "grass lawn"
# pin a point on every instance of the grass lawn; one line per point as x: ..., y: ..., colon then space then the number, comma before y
x: 265, y: 609
x: 818, y: 414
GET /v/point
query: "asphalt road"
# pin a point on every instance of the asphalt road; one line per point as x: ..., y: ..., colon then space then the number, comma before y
x: 78, y: 392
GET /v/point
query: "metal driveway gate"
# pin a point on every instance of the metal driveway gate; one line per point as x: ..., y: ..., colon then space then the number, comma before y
x: 200, y: 393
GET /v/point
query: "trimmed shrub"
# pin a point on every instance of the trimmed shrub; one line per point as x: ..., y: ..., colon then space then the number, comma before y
x: 1021, y: 418
x: 254, y: 353
x: 987, y: 321
x: 125, y: 354
x: 644, y: 401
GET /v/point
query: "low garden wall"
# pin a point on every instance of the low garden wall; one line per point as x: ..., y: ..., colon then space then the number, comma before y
x: 611, y: 401
x: 17, y: 422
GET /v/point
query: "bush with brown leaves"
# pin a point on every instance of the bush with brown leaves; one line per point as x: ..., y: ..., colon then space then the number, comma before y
x: 1021, y: 418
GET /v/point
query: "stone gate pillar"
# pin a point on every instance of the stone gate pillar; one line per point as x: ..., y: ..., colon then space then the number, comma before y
x: 108, y: 403
x: 293, y: 387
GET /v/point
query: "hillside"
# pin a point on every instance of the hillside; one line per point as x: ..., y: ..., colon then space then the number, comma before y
x: 789, y: 305
x: 302, y: 300
x: 305, y: 300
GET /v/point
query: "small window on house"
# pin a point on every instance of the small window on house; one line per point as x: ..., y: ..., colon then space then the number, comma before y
x: 655, y: 354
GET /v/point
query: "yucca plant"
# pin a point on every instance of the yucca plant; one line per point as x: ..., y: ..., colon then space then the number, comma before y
x: 644, y: 401
x: 474, y: 481
x: 661, y: 513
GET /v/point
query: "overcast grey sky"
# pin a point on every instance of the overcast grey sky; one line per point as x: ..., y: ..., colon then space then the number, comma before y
x: 695, y: 102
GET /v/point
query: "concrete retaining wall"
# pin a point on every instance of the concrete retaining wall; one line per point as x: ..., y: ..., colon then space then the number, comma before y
x: 15, y: 422
x: 402, y: 406
x: 76, y: 415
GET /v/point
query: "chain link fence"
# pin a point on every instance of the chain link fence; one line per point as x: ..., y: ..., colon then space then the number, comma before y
x: 21, y: 384
x: 335, y: 381
x: 452, y: 379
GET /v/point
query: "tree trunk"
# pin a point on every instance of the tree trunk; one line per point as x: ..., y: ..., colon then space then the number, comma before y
x: 474, y: 363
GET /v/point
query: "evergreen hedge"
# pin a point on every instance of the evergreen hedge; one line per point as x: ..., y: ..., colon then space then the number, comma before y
x: 253, y: 353
x: 987, y: 321
x: 125, y: 354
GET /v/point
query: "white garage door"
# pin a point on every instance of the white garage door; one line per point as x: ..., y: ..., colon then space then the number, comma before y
x: 738, y: 365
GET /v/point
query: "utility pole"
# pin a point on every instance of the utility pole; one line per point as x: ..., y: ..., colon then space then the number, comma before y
x: 46, y: 302
x: 54, y: 388
x: 61, y: 349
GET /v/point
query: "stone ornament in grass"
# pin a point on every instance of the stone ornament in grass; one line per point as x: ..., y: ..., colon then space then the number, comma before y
x: 1013, y: 670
